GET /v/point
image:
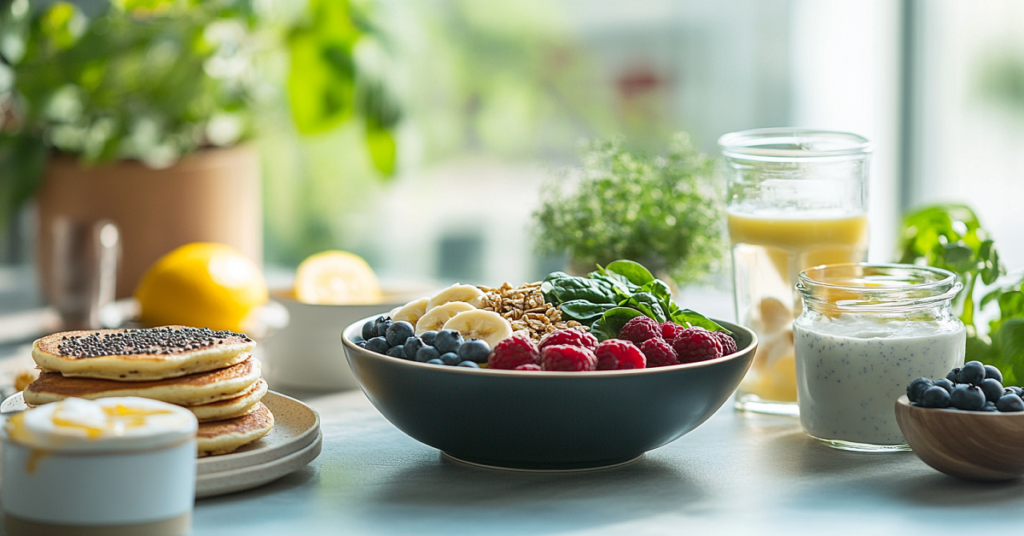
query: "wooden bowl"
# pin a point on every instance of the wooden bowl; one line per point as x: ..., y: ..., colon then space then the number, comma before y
x: 974, y: 445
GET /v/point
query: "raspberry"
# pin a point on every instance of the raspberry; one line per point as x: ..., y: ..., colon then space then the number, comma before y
x: 615, y: 354
x: 696, y: 344
x: 670, y: 330
x: 572, y: 337
x: 659, y: 353
x: 512, y: 352
x: 728, y: 343
x: 568, y: 358
x: 528, y: 366
x: 639, y: 329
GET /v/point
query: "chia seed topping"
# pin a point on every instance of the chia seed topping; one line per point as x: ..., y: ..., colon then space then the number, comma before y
x: 159, y: 341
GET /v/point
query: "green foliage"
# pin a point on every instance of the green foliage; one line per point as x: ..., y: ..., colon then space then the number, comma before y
x: 154, y: 80
x: 950, y: 237
x: 608, y: 298
x: 660, y: 210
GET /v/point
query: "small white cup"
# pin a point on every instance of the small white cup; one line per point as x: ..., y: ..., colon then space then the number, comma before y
x: 111, y: 487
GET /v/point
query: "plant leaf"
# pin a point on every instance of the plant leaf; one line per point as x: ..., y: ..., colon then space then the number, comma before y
x: 583, y: 311
x: 632, y: 271
x: 610, y: 324
x: 693, y: 318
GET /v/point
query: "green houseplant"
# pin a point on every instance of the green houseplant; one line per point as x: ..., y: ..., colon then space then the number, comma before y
x: 661, y: 211
x: 157, y: 84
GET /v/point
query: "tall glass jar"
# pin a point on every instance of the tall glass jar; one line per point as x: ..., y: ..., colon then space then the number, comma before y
x: 866, y: 331
x: 796, y: 199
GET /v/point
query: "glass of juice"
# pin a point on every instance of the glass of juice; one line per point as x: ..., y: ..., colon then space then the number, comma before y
x: 797, y: 199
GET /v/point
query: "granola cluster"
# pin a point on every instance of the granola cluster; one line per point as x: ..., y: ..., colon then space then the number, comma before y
x: 524, y: 307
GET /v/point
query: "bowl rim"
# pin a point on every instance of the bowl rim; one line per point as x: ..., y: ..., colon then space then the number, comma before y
x: 904, y: 400
x: 351, y: 346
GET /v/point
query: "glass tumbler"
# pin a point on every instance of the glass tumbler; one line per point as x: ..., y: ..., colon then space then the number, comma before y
x: 796, y: 199
x: 867, y: 331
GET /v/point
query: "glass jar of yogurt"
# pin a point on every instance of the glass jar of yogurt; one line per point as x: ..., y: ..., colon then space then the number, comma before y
x: 866, y: 331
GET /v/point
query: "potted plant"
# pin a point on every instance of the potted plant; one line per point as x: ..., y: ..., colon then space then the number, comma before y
x: 661, y: 211
x: 139, y: 111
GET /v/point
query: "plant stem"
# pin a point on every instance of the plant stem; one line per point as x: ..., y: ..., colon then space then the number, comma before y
x: 967, y: 316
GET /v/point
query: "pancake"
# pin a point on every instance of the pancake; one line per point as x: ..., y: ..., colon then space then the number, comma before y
x: 191, y: 390
x: 140, y: 354
x: 222, y: 437
x: 232, y: 407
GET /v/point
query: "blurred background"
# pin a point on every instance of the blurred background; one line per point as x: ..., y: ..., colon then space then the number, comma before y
x: 419, y: 133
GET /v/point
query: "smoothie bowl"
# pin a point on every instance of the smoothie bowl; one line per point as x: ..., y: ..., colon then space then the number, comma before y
x: 565, y: 402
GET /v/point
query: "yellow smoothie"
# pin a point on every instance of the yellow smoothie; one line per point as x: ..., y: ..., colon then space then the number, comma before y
x: 769, y: 251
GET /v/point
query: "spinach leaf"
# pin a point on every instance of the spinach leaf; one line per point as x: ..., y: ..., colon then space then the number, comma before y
x: 610, y: 324
x: 646, y: 303
x: 693, y: 318
x: 632, y: 271
x: 583, y: 311
x: 559, y: 288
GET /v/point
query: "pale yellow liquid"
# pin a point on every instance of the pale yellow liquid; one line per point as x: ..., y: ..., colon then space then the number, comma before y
x: 769, y: 252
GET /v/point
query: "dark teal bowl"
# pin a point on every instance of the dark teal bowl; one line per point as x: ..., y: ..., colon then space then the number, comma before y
x: 546, y: 420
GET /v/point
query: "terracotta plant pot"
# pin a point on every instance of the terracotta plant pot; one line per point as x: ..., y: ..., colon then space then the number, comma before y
x: 211, y: 196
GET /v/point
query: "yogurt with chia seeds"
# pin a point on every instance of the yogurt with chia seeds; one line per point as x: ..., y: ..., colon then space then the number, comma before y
x: 851, y: 369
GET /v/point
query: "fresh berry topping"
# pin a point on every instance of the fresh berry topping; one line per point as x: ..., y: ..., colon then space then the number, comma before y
x: 640, y: 329
x: 659, y: 353
x: 512, y: 352
x: 992, y: 372
x: 529, y: 366
x: 451, y: 359
x: 377, y: 344
x: 1010, y: 403
x: 474, y: 350
x: 428, y: 337
x: 427, y: 353
x: 670, y: 330
x: 468, y: 364
x: 369, y: 330
x: 572, y: 337
x: 397, y: 351
x: 412, y: 346
x: 615, y: 354
x: 968, y: 398
x: 398, y: 332
x: 448, y: 340
x: 917, y: 387
x: 934, y: 397
x: 435, y: 362
x: 568, y: 358
x: 993, y: 390
x: 728, y: 343
x: 383, y: 325
x: 972, y: 372
x: 954, y: 375
x: 696, y: 344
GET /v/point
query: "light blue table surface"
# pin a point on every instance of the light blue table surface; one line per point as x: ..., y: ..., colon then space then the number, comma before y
x: 736, y: 473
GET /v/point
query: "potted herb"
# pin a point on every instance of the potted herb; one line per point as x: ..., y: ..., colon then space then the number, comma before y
x: 659, y: 210
x: 139, y: 111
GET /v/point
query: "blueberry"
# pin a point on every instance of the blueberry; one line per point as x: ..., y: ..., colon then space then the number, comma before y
x: 969, y: 398
x: 428, y: 337
x: 377, y: 344
x: 399, y: 332
x: 993, y: 390
x: 1010, y: 403
x: 1017, y: 391
x: 450, y: 358
x: 954, y: 375
x: 992, y: 372
x: 917, y: 387
x: 397, y: 351
x: 378, y: 320
x: 972, y: 372
x: 474, y: 350
x: 435, y: 362
x: 447, y: 340
x: 382, y: 327
x: 369, y: 330
x: 469, y: 364
x: 934, y: 397
x: 427, y: 353
x: 361, y: 344
x: 989, y: 407
x: 945, y: 384
x: 412, y: 345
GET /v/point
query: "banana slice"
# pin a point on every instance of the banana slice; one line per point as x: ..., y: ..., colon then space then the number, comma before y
x: 485, y: 325
x: 410, y: 312
x: 457, y: 293
x: 434, y: 319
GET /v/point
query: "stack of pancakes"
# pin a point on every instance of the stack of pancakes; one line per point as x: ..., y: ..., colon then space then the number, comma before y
x: 212, y: 373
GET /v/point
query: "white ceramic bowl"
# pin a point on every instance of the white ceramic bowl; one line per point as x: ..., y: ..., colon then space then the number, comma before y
x: 304, y: 354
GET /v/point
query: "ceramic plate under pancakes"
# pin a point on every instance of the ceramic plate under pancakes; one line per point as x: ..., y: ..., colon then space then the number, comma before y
x: 296, y: 426
x: 213, y: 484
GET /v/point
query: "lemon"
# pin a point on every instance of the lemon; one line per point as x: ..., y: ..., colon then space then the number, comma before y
x: 201, y: 285
x: 336, y: 278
